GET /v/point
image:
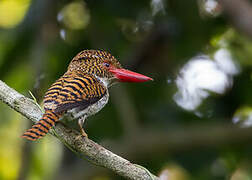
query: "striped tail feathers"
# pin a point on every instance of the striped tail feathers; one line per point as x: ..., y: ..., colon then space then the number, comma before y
x: 42, y: 127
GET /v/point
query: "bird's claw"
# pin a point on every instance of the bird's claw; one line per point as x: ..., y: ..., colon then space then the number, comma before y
x: 83, y: 133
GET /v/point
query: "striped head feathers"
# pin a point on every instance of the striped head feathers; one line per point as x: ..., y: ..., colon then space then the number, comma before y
x: 103, y: 66
x: 95, y: 62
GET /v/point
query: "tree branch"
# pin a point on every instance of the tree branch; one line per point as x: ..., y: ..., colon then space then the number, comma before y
x: 83, y: 146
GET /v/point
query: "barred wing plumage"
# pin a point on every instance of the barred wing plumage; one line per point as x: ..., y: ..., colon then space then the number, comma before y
x: 70, y: 91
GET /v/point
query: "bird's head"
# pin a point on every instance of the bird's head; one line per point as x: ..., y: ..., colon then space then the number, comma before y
x: 104, y: 66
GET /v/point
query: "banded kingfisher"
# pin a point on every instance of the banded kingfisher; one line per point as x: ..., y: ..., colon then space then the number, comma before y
x: 82, y: 91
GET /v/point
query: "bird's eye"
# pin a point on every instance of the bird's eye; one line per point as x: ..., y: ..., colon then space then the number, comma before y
x: 106, y: 64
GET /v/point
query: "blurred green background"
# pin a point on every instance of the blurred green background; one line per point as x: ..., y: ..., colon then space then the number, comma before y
x: 192, y: 122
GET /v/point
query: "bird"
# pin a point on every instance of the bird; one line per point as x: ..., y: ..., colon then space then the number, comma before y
x: 81, y: 91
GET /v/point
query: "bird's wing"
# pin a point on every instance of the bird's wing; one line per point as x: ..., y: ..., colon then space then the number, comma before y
x: 73, y: 90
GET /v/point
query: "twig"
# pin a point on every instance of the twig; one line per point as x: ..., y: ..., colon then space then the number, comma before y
x: 182, y: 140
x: 83, y: 146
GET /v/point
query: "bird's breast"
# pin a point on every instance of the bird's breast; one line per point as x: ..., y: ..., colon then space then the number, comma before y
x: 78, y: 112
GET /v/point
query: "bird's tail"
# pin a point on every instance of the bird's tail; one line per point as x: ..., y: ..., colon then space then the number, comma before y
x: 42, y: 127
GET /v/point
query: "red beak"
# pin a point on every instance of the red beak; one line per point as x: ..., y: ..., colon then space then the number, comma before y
x: 125, y: 75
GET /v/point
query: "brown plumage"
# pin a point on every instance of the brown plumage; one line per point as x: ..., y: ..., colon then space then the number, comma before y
x: 82, y: 91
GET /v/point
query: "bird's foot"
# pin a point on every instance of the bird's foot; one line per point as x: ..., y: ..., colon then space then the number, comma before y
x: 81, y: 136
x: 81, y: 122
x: 83, y: 133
